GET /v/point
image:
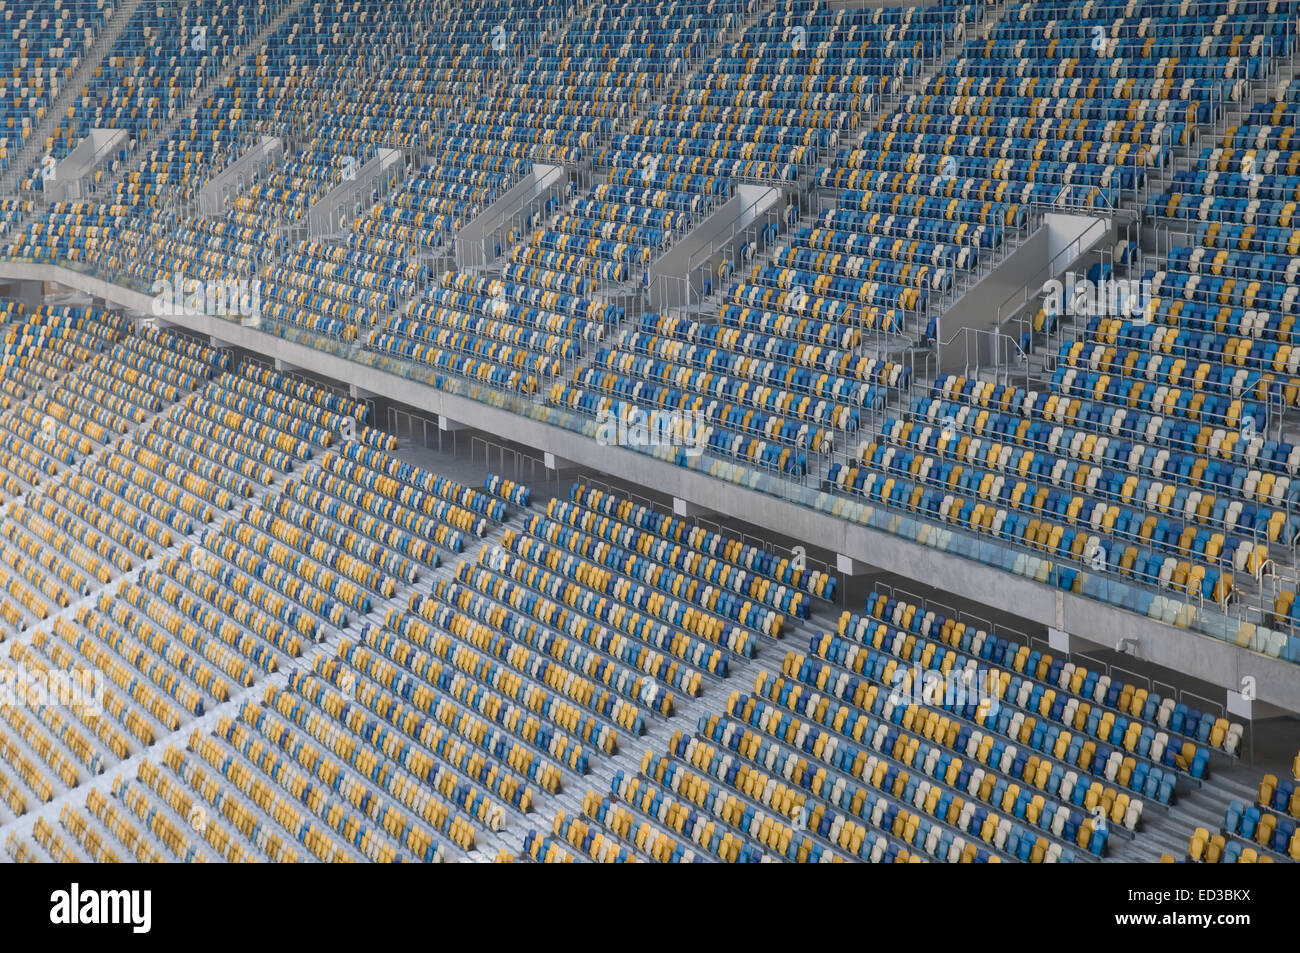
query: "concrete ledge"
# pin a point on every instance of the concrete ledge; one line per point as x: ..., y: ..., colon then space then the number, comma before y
x: 1209, y: 659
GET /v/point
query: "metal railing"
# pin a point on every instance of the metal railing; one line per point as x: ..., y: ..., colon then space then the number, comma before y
x: 736, y: 242
x: 1016, y: 302
x: 522, y: 467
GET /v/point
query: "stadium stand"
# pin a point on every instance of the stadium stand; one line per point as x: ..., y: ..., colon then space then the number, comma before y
x: 286, y: 635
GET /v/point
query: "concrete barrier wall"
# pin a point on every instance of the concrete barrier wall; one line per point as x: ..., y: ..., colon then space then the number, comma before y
x: 215, y: 196
x: 95, y: 150
x: 369, y: 181
x: 476, y: 240
x: 677, y: 278
x: 966, y: 329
